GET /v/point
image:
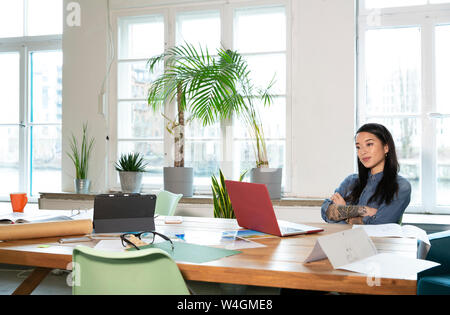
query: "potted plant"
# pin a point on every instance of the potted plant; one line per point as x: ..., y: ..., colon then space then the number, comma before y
x: 221, y: 199
x: 201, y: 84
x: 80, y: 158
x: 130, y: 166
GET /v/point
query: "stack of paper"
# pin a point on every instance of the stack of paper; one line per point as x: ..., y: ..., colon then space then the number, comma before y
x: 354, y: 251
x: 395, y: 230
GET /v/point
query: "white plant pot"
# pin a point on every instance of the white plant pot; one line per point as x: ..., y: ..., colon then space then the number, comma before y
x: 179, y: 180
x: 131, y: 182
x: 271, y: 177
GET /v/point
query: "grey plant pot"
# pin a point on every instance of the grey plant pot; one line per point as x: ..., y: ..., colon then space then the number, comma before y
x: 271, y: 177
x: 130, y: 182
x: 179, y: 180
x: 82, y: 185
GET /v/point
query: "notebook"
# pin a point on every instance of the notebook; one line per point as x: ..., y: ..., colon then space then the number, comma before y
x: 254, y: 210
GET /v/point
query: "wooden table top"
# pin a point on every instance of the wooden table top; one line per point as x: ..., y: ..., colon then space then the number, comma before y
x: 278, y: 264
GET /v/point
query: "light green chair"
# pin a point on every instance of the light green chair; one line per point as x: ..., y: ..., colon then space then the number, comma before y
x: 149, y: 271
x: 166, y: 203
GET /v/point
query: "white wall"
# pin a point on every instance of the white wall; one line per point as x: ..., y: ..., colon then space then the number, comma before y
x: 84, y: 68
x: 323, y: 88
x: 323, y: 98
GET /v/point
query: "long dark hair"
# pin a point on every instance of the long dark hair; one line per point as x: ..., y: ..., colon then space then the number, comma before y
x: 388, y: 186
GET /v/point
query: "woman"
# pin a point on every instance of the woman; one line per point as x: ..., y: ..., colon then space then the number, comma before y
x: 377, y: 194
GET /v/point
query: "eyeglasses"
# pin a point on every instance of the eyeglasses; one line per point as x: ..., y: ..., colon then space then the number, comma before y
x: 127, y: 238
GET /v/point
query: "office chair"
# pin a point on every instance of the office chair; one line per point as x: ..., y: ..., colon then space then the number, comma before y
x: 436, y: 281
x: 149, y: 271
x: 166, y: 203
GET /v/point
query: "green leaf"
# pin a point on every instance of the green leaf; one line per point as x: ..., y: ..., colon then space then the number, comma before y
x: 130, y: 162
x: 80, y: 156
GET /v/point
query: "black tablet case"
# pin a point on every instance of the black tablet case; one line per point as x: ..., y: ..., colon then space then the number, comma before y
x: 115, y: 213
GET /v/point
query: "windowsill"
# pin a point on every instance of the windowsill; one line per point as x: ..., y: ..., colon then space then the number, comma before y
x: 196, y: 199
x: 408, y: 218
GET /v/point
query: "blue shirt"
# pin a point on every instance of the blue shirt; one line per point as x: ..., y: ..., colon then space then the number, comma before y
x: 391, y: 213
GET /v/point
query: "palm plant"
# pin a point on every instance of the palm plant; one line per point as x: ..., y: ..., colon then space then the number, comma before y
x: 204, y: 85
x: 252, y: 118
x: 80, y: 156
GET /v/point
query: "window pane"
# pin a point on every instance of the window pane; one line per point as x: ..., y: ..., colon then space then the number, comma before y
x: 204, y: 157
x: 9, y: 87
x: 443, y: 162
x: 195, y: 129
x: 9, y: 160
x: 268, y: 67
x: 202, y: 146
x: 153, y: 153
x: 260, y: 29
x: 393, y: 70
x: 45, y: 17
x: 379, y: 4
x: 134, y: 79
x: 273, y: 119
x: 244, y: 154
x: 244, y: 157
x: 443, y: 68
x: 199, y: 28
x: 202, y: 150
x: 406, y: 133
x: 136, y: 120
x: 46, y: 86
x: 141, y: 37
x: 11, y: 18
x: 45, y: 159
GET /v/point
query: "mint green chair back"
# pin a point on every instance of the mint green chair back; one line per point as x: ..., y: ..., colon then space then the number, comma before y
x: 149, y: 271
x: 166, y: 203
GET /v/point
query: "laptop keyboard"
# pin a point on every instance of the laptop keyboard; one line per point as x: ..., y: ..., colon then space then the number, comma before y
x: 285, y: 229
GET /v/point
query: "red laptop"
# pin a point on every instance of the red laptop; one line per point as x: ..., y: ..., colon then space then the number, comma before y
x: 254, y: 210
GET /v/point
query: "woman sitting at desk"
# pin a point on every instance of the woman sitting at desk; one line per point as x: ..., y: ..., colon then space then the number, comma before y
x: 377, y: 194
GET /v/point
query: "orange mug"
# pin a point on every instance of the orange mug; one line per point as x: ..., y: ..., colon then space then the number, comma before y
x: 18, y: 201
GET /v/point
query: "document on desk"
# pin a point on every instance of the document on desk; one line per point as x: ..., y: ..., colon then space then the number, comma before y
x: 353, y: 250
x: 395, y: 230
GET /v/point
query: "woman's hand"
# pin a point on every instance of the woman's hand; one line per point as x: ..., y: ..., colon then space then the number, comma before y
x: 368, y: 212
x: 338, y: 200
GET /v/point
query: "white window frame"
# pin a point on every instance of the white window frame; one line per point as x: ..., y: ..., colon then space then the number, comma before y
x: 226, y: 9
x: 424, y: 16
x: 23, y: 46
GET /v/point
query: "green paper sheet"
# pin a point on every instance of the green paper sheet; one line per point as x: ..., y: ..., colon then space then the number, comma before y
x: 191, y: 252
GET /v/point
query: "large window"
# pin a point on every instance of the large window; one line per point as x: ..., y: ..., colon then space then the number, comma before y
x: 202, y: 148
x: 264, y: 46
x: 30, y: 96
x: 138, y: 128
x: 257, y: 32
x: 403, y: 84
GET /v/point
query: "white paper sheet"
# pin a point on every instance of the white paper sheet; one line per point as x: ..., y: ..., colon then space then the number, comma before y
x: 343, y: 247
x: 354, y: 251
x: 395, y: 230
x: 387, y: 265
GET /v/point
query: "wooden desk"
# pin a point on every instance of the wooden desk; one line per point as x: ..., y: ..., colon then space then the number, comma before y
x: 279, y: 264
